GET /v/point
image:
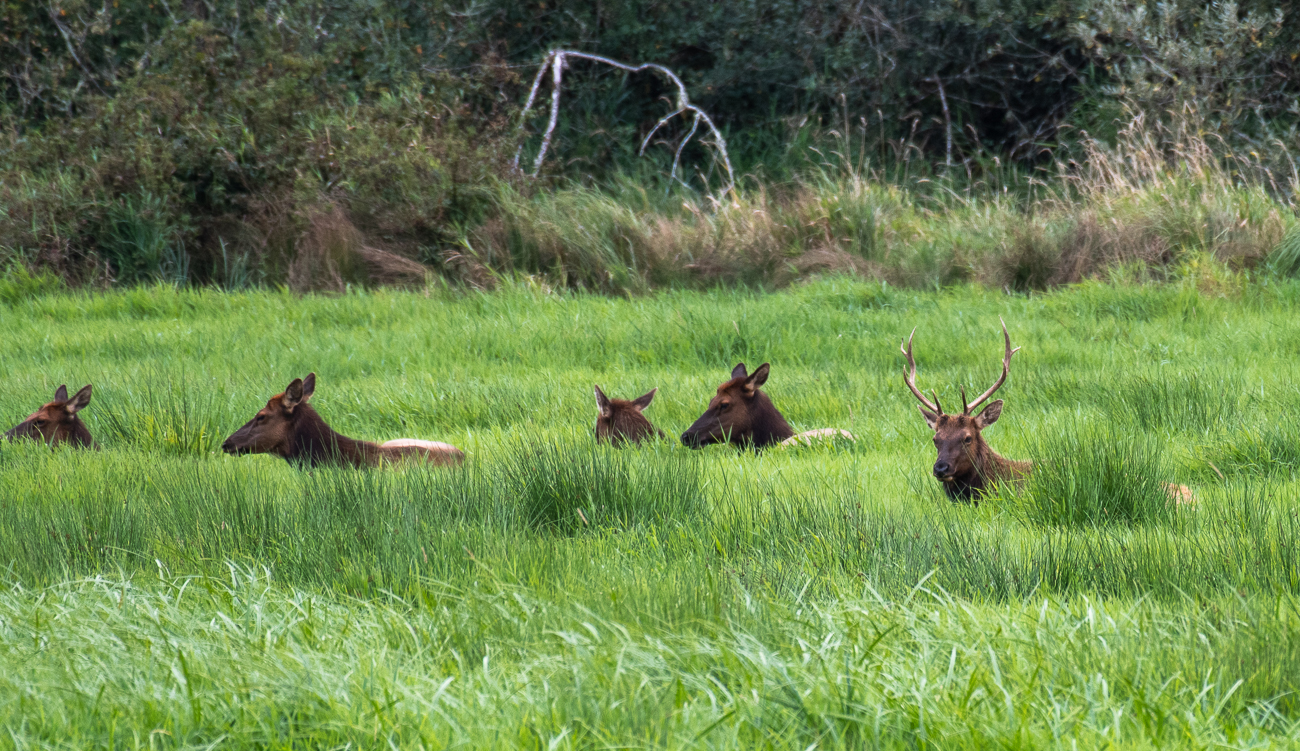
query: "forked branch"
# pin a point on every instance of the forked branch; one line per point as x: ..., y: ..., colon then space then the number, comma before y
x: 556, y: 60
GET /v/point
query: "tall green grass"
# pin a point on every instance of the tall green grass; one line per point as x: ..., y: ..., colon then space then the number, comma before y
x: 1084, y: 475
x: 712, y: 571
x: 236, y: 660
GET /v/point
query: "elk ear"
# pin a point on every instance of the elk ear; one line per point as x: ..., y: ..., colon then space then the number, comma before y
x: 602, y: 403
x: 308, y: 386
x: 61, y: 393
x: 739, y: 371
x: 641, y: 402
x: 79, y: 400
x: 931, y: 418
x: 292, y: 395
x: 758, y: 378
x: 990, y: 414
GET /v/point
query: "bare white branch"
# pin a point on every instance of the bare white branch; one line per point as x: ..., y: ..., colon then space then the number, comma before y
x: 532, y: 96
x: 556, y: 60
x: 557, y: 74
x: 677, y: 156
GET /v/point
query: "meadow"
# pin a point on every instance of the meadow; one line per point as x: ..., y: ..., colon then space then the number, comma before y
x: 553, y: 593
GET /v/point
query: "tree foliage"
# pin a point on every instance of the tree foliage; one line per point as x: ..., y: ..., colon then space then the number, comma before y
x: 178, y: 120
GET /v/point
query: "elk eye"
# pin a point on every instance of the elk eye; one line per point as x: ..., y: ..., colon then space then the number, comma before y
x: 259, y: 418
x: 39, y: 422
x: 968, y: 439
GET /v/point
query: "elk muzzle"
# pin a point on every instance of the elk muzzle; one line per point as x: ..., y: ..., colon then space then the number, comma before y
x: 238, y: 442
x: 706, y: 430
x: 23, y: 429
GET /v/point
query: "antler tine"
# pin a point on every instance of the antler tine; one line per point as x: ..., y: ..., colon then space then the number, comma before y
x: 965, y: 409
x: 910, y: 380
x: 1006, y: 368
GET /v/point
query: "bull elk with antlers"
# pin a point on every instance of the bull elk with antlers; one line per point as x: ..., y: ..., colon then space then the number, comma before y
x: 966, y: 465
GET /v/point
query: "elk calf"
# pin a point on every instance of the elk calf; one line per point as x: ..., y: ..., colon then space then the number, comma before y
x: 290, y: 428
x: 742, y: 415
x: 620, y: 420
x: 966, y: 465
x: 57, y: 422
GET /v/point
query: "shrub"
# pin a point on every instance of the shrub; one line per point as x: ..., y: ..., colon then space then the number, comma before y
x: 567, y: 488
x: 17, y: 283
x: 1086, y: 475
x: 218, y: 160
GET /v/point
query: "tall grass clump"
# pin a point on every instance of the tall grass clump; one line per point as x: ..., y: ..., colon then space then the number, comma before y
x: 1191, y: 402
x: 1285, y: 258
x: 568, y: 487
x: 164, y: 414
x: 1092, y: 475
x: 1271, y: 448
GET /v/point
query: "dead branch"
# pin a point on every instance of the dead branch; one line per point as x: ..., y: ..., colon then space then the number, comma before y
x: 556, y: 60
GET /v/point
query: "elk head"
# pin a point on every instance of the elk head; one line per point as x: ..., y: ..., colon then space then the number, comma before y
x: 271, y: 431
x: 57, y: 422
x: 965, y: 462
x: 739, y: 413
x: 620, y: 420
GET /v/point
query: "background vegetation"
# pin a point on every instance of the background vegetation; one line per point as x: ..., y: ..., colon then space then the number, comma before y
x: 1118, y: 180
x: 160, y: 592
x: 319, y: 145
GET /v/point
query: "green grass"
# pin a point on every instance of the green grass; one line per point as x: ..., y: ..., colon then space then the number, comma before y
x: 553, y: 591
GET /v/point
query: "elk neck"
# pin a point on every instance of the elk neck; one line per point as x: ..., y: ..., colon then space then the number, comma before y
x: 315, y: 442
x: 987, y: 468
x: 79, y: 434
x: 768, y: 425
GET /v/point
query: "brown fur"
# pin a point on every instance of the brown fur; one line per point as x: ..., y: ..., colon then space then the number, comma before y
x: 966, y: 464
x: 620, y: 420
x: 57, y: 422
x: 288, y: 427
x: 740, y: 414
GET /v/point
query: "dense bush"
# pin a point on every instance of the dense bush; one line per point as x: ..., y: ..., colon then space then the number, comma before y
x: 323, y: 144
x: 234, y: 159
x: 1001, y: 75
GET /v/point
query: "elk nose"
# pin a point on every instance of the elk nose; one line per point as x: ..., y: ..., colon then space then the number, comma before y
x: 228, y: 447
x: 688, y: 440
x: 942, y: 469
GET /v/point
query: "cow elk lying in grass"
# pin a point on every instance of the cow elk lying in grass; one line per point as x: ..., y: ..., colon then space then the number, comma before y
x: 742, y: 415
x: 57, y: 422
x: 620, y: 420
x: 966, y: 465
x: 289, y: 428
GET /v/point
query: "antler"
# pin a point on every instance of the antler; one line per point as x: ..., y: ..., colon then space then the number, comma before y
x: 910, y: 380
x: 1006, y: 368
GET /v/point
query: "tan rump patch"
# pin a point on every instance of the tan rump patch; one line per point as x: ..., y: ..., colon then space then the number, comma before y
x: 437, y: 446
x: 823, y: 434
x: 1181, y: 495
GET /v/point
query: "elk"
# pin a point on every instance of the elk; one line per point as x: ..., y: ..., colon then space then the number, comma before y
x: 57, y: 422
x: 290, y: 428
x: 620, y: 420
x: 966, y: 465
x: 742, y: 415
